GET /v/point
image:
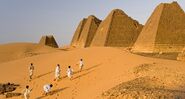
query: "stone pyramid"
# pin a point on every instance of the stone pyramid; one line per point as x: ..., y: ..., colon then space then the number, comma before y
x: 78, y: 31
x: 88, y: 31
x: 164, y: 30
x: 48, y: 40
x: 117, y: 30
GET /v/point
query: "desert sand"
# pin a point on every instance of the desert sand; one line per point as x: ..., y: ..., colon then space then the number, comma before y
x: 104, y: 69
x: 13, y: 51
x: 109, y: 72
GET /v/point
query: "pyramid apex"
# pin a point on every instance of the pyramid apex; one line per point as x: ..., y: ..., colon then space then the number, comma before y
x: 174, y: 2
x: 117, y: 11
x: 91, y: 16
x: 84, y: 19
x: 49, y: 35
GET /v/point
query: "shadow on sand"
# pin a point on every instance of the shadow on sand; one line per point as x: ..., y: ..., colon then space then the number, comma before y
x: 82, y: 75
x: 76, y: 72
x: 41, y: 75
x: 44, y: 74
x: 88, y: 68
x: 52, y: 93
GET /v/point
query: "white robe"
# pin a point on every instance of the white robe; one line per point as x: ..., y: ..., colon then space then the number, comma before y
x: 26, y: 93
x: 69, y: 72
x: 47, y: 88
x: 80, y: 64
x: 57, y: 72
x: 31, y: 68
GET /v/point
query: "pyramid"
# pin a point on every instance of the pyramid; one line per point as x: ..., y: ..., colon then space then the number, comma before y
x: 164, y: 30
x: 88, y: 31
x: 117, y: 30
x: 78, y: 31
x: 48, y: 40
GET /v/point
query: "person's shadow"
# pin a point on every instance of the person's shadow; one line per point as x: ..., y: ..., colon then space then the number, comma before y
x: 41, y: 75
x: 52, y: 92
x: 84, y: 70
x: 82, y: 75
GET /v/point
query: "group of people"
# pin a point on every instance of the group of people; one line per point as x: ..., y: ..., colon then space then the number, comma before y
x: 48, y: 87
x: 69, y: 70
x: 27, y: 90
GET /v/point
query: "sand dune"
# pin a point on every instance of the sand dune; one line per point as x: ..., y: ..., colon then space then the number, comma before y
x: 13, y: 51
x: 104, y: 69
x: 108, y: 73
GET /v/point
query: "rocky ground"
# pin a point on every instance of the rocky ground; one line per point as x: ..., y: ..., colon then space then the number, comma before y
x: 142, y: 88
x: 7, y: 90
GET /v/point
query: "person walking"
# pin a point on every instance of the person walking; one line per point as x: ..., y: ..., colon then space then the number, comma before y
x: 57, y: 72
x: 81, y: 64
x: 31, y: 69
x: 69, y: 72
x: 26, y: 92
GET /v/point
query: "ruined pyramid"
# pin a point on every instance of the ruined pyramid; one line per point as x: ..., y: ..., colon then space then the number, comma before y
x: 48, y: 40
x: 88, y: 31
x: 85, y: 32
x: 117, y: 30
x: 164, y: 30
x: 78, y: 31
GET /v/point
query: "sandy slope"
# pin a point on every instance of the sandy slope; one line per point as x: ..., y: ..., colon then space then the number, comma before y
x: 13, y: 51
x: 104, y: 69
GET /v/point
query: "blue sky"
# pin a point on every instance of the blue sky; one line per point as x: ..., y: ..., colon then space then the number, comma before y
x: 28, y: 20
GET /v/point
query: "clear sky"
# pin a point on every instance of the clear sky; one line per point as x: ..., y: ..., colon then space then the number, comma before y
x: 28, y: 20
